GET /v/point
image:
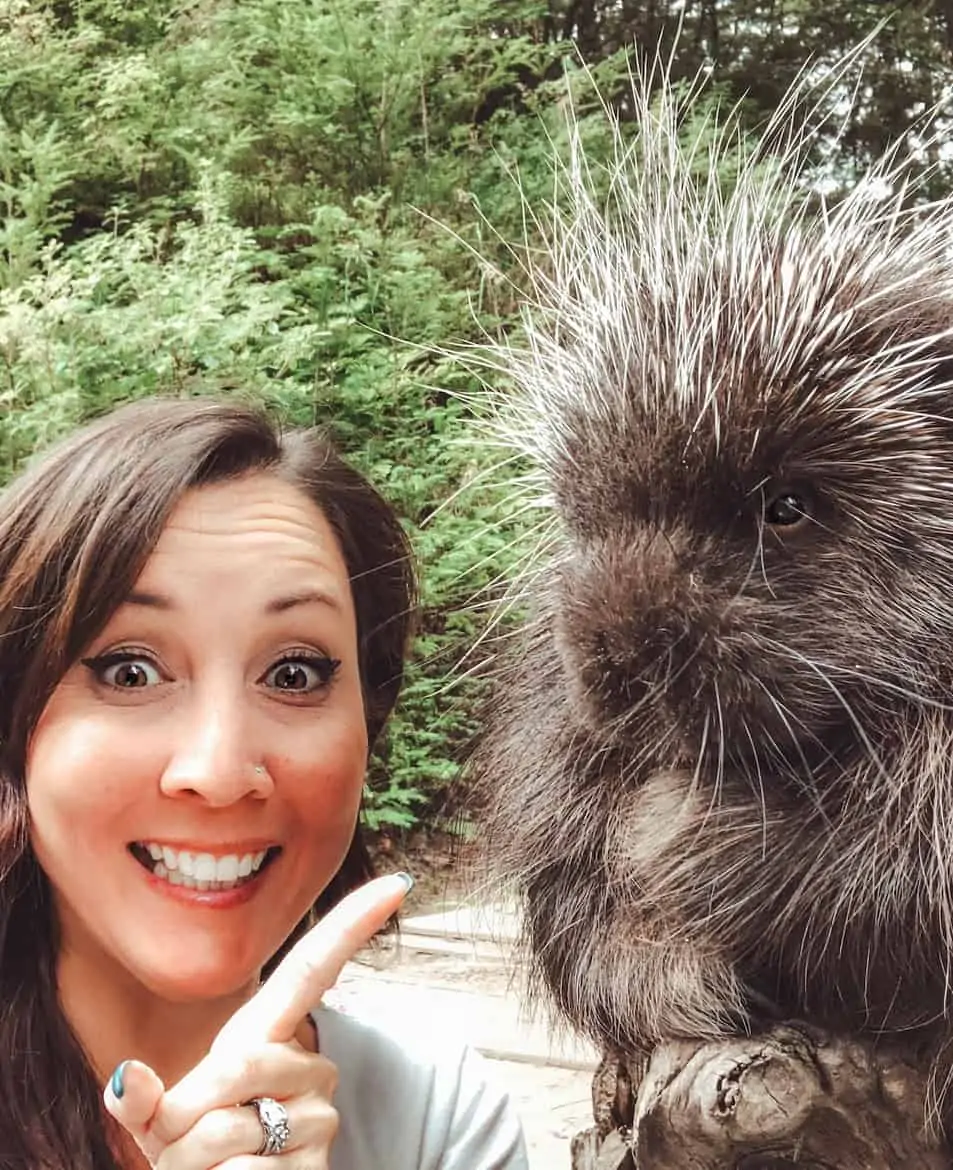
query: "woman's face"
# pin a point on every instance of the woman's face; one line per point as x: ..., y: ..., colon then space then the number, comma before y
x: 194, y: 781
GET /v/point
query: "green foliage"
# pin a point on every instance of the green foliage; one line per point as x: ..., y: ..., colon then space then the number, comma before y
x: 242, y: 196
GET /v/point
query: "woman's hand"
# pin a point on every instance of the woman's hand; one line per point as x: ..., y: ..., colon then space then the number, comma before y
x: 199, y: 1122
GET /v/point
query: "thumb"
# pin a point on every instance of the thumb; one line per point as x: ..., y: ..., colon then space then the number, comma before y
x: 132, y: 1097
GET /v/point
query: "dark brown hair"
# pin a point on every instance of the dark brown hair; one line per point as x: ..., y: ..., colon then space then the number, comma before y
x: 75, y: 532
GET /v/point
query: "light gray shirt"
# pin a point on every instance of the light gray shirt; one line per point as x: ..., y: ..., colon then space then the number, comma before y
x: 403, y: 1106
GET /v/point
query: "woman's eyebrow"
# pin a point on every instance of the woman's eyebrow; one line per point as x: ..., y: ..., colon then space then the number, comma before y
x: 304, y: 597
x: 276, y: 605
x: 151, y: 600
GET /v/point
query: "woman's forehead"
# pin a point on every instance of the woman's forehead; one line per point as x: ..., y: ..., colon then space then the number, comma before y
x: 257, y: 530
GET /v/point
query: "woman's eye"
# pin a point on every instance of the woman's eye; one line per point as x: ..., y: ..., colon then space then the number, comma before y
x: 124, y: 671
x: 301, y: 675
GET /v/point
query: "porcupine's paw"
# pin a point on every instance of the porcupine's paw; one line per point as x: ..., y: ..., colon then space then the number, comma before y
x: 606, y: 1145
x: 615, y: 1086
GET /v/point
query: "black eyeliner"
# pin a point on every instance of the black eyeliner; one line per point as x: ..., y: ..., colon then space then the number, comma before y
x: 112, y: 657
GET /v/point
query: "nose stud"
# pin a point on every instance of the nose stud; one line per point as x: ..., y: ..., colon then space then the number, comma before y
x: 259, y: 769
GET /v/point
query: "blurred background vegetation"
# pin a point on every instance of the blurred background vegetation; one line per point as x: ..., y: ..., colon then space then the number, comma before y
x: 289, y: 199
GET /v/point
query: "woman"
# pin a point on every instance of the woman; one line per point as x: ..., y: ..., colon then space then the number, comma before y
x: 202, y: 630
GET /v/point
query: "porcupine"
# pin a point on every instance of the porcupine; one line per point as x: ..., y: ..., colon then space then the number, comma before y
x: 719, y: 752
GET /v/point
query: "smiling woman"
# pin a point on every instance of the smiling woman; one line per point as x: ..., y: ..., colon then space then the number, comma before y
x: 202, y: 629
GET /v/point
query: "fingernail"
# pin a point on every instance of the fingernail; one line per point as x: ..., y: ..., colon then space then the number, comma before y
x: 116, y: 1080
x: 406, y: 879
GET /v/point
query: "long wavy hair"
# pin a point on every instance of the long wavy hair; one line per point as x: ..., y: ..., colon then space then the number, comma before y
x: 76, y: 529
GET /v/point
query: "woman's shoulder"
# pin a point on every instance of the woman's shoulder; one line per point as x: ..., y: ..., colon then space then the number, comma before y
x: 409, y: 1103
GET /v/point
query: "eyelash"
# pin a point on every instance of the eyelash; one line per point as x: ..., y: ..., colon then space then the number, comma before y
x: 324, y: 666
x: 99, y: 663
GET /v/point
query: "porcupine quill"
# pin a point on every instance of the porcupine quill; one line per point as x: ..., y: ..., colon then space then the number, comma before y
x: 718, y: 754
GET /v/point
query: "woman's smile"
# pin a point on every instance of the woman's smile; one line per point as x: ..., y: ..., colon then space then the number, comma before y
x: 198, y: 870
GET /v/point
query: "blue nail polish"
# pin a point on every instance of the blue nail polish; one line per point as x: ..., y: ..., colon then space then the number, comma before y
x: 116, y: 1081
x: 406, y: 879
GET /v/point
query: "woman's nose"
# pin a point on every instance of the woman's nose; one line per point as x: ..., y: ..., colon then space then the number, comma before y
x: 214, y: 757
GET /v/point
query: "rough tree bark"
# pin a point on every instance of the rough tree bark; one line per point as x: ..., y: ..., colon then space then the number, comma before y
x: 786, y: 1099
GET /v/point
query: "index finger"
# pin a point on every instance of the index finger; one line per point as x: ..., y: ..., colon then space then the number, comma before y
x: 313, y: 964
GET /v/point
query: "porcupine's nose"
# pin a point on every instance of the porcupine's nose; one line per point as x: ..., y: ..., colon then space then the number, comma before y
x: 628, y: 624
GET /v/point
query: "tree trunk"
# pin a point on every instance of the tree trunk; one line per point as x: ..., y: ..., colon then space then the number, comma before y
x: 789, y: 1099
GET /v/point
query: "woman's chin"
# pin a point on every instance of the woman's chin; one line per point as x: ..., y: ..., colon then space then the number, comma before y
x: 194, y: 983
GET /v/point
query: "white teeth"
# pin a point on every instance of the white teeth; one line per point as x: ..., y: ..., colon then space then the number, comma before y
x: 227, y: 869
x: 201, y: 870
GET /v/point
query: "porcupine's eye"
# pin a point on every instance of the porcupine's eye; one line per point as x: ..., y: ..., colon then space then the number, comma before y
x: 786, y: 509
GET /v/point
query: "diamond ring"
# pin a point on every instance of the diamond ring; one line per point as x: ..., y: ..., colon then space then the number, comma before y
x: 275, y: 1129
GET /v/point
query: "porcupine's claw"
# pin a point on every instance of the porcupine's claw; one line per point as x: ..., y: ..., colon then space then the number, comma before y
x: 606, y: 1146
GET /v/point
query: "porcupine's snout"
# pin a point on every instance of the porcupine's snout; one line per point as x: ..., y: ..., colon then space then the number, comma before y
x: 637, y: 624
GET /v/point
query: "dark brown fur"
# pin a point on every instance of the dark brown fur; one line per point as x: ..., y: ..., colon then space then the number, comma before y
x: 720, y: 754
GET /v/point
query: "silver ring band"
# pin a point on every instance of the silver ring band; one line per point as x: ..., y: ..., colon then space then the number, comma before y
x: 273, y: 1118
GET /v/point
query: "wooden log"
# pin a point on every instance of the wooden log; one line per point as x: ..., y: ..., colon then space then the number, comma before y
x: 791, y: 1098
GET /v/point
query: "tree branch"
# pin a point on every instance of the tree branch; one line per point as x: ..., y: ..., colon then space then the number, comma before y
x: 787, y: 1098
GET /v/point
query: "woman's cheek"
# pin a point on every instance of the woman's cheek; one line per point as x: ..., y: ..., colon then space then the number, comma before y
x: 76, y: 767
x: 330, y: 772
